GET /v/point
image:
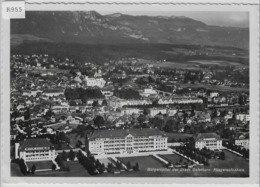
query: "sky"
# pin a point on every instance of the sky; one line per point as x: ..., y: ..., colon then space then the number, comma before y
x: 232, y: 19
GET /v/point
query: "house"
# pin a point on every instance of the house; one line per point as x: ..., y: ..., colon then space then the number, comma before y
x: 242, y: 117
x: 129, y: 111
x: 99, y: 82
x: 35, y: 150
x: 208, y: 140
x: 242, y: 140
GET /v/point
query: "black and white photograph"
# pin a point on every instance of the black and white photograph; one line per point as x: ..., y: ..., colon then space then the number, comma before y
x: 103, y: 93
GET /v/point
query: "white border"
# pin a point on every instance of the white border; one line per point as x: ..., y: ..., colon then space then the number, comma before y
x: 192, y: 5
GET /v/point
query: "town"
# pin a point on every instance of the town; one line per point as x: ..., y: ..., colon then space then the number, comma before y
x: 124, y: 116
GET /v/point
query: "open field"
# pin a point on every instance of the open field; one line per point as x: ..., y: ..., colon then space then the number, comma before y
x: 231, y: 162
x: 217, y: 62
x: 213, y: 87
x: 15, y: 170
x: 144, y: 162
x: 40, y: 164
x: 104, y: 161
x: 190, y: 65
x: 175, y: 158
x: 76, y: 170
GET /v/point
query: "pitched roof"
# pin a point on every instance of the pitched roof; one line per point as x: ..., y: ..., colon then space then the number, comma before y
x: 202, y: 136
x: 120, y: 133
x: 35, y: 144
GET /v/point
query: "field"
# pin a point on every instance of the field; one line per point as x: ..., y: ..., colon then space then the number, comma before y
x: 144, y: 162
x: 76, y: 170
x: 217, y: 62
x: 214, y: 87
x: 231, y: 162
x: 40, y: 165
x: 104, y: 161
x: 15, y: 170
x: 175, y: 158
x: 190, y: 65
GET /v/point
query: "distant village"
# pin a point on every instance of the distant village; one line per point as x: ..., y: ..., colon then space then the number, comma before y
x: 63, y: 109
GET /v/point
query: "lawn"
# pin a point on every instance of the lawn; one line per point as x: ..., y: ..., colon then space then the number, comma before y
x: 104, y: 161
x: 175, y: 158
x: 231, y: 161
x: 144, y: 162
x: 15, y: 170
x: 76, y: 170
x: 40, y: 164
x: 213, y: 87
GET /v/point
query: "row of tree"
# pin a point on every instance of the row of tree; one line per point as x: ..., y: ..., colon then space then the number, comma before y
x: 83, y: 94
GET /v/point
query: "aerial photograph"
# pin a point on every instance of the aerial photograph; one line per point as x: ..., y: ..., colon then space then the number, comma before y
x: 129, y: 94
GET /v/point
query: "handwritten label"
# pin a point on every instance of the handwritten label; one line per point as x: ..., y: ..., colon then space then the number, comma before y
x: 13, y: 9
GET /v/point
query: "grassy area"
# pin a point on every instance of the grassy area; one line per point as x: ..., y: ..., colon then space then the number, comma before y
x: 177, y: 136
x: 144, y: 162
x: 231, y: 161
x: 40, y: 164
x: 76, y: 170
x: 15, y: 170
x: 175, y: 158
x: 104, y: 161
x: 213, y: 87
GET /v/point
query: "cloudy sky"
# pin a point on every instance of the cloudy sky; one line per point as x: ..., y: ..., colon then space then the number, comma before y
x: 232, y: 19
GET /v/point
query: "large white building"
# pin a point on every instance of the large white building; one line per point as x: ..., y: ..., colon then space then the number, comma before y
x: 179, y: 100
x: 99, y: 82
x: 208, y: 140
x: 242, y: 117
x: 35, y: 150
x: 126, y: 141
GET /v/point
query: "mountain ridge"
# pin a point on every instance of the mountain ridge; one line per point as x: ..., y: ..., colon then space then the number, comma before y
x: 91, y: 27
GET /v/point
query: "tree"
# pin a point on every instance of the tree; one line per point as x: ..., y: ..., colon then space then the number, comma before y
x: 27, y: 114
x: 136, y: 168
x: 53, y: 167
x: 23, y: 167
x: 95, y: 103
x: 99, y: 121
x: 64, y: 156
x: 128, y: 165
x: 104, y: 102
x: 68, y: 168
x: 222, y: 156
x: 71, y: 155
x: 33, y: 168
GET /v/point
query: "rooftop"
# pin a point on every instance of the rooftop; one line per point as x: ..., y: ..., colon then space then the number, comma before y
x: 35, y: 144
x: 202, y: 136
x: 120, y: 133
